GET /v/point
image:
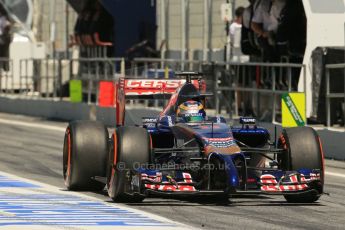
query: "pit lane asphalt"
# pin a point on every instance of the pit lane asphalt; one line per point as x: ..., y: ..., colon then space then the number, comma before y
x: 32, y: 148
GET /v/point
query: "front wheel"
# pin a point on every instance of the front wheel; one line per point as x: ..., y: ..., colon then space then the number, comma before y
x: 131, y: 147
x: 303, y: 151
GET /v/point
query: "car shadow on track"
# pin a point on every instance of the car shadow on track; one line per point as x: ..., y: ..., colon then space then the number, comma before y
x: 189, y: 201
x: 254, y: 201
x: 232, y: 201
x: 273, y: 204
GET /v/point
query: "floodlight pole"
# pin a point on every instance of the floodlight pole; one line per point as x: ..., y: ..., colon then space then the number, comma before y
x: 183, y: 32
x: 207, y: 43
x: 66, y: 20
x: 206, y: 30
x: 163, y: 16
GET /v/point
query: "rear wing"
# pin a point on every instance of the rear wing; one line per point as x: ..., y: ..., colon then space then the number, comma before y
x: 135, y: 88
x: 150, y: 88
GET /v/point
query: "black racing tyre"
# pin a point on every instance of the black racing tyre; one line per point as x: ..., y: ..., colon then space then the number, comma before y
x: 303, y: 150
x: 131, y: 147
x: 85, y: 154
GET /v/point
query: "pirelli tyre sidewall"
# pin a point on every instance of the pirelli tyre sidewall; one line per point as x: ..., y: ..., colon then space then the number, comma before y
x: 303, y: 150
x: 130, y: 147
x: 85, y: 154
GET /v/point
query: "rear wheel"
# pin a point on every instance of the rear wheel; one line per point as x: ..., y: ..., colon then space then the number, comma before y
x: 84, y: 155
x: 131, y: 148
x: 303, y: 150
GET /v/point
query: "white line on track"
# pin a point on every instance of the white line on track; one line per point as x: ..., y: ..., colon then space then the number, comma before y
x: 32, y: 125
x: 335, y: 174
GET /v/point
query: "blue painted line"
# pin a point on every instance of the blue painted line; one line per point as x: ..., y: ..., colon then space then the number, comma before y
x: 6, y: 182
x: 109, y: 223
x: 22, y: 209
x: 77, y: 215
x: 62, y: 210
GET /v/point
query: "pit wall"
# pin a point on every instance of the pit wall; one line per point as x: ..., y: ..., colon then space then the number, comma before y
x: 59, y: 110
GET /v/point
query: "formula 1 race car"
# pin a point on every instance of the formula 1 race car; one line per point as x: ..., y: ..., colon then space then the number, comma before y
x: 185, y: 152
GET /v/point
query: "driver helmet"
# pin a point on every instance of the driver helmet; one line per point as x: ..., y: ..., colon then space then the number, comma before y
x: 191, y: 111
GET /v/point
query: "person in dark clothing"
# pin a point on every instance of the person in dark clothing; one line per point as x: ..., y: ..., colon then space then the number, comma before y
x: 146, y: 45
x: 102, y: 24
x: 265, y: 24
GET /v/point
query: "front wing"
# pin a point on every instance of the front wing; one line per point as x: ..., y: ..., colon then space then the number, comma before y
x: 270, y: 182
